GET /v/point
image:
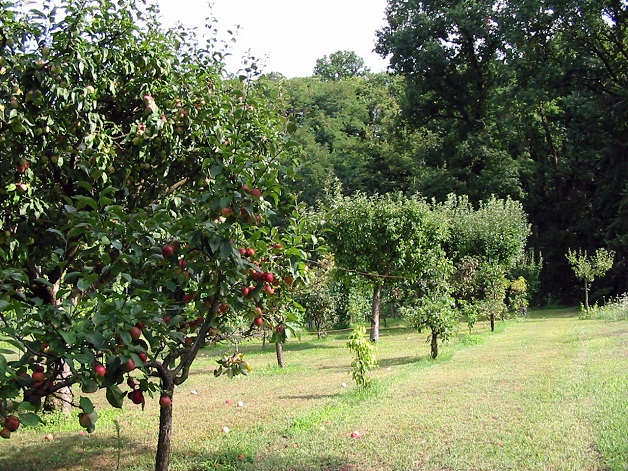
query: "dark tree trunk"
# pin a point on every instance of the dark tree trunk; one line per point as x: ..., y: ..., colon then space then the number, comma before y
x: 377, y: 302
x: 586, y: 297
x: 434, y: 345
x: 492, y: 318
x: 162, y: 458
x: 279, y: 350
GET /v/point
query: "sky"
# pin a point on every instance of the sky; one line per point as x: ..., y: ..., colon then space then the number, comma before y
x: 289, y: 35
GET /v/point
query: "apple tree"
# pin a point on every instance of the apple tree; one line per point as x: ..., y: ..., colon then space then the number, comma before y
x: 588, y: 268
x: 137, y: 187
x: 486, y: 241
x: 386, y: 239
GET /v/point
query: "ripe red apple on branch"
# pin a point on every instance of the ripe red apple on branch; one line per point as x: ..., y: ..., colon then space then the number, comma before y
x: 12, y: 423
x: 100, y: 370
x: 167, y: 251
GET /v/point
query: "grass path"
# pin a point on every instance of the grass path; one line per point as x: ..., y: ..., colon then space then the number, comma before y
x: 546, y: 393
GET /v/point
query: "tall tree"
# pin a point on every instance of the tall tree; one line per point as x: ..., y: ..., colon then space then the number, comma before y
x: 527, y: 100
x: 340, y: 65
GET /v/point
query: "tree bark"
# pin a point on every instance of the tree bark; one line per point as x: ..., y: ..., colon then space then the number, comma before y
x: 377, y: 302
x: 162, y: 458
x: 279, y: 350
x: 492, y: 318
x: 434, y: 345
x: 62, y: 399
x: 586, y: 296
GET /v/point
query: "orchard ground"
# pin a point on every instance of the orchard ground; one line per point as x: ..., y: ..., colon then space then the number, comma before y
x: 546, y: 392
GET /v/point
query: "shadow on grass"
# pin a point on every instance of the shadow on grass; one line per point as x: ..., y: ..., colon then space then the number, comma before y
x: 68, y: 451
x: 307, y: 397
x: 561, y: 313
x: 239, y: 456
x: 399, y: 361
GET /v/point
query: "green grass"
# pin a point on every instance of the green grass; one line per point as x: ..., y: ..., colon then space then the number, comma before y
x: 544, y: 393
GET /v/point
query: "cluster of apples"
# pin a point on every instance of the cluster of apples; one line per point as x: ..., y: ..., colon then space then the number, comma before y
x: 11, y: 424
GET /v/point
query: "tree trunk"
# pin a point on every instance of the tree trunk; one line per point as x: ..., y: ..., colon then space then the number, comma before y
x: 434, y: 345
x: 62, y: 399
x: 586, y: 296
x: 162, y: 458
x: 377, y: 302
x: 492, y: 318
x: 279, y: 350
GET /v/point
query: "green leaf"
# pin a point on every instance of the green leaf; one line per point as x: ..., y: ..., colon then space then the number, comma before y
x: 215, y: 170
x: 69, y: 337
x: 96, y: 339
x: 86, y: 201
x: 30, y: 419
x: 26, y: 407
x: 86, y: 404
x: 115, y: 396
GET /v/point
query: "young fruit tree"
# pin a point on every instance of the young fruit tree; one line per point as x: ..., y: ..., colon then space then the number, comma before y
x: 386, y: 239
x: 588, y: 268
x: 486, y: 241
x: 429, y: 304
x: 137, y: 184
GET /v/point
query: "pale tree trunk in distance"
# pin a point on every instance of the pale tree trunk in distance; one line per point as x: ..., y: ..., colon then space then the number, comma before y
x: 279, y: 350
x: 377, y: 302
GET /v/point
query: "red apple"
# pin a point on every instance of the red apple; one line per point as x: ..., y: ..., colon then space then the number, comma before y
x: 269, y: 289
x: 135, y: 332
x: 245, y: 291
x: 166, y: 319
x: 5, y: 433
x: 288, y: 280
x: 250, y: 252
x: 165, y: 402
x: 100, y: 370
x: 39, y: 377
x: 136, y: 396
x: 255, y: 193
x: 258, y: 321
x: 242, y: 251
x: 143, y: 356
x: 279, y: 329
x: 167, y: 251
x: 259, y: 310
x: 188, y: 298
x: 131, y: 382
x: 12, y: 423
x: 128, y: 365
x: 226, y: 212
x: 270, y: 277
x: 223, y: 308
x: 182, y: 263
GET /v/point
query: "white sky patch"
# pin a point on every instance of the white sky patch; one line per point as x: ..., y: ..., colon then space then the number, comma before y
x: 288, y: 34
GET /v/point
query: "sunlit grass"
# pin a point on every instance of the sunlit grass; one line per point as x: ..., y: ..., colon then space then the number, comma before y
x: 547, y: 392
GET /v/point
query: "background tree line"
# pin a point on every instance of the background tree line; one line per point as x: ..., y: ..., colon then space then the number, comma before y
x: 523, y: 99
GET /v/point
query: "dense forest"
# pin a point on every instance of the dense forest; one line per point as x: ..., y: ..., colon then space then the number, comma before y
x: 525, y: 99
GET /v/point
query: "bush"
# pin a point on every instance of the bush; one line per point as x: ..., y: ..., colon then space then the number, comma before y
x: 615, y: 310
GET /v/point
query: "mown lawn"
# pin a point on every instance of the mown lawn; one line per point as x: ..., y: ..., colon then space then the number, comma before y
x: 545, y: 393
